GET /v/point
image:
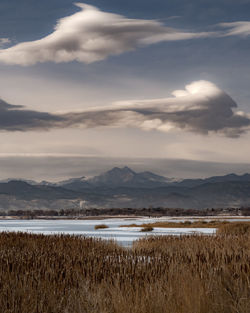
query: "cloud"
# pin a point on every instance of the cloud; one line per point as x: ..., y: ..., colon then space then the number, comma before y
x: 200, y: 108
x: 237, y: 28
x: 15, y: 118
x: 92, y: 35
x: 4, y: 41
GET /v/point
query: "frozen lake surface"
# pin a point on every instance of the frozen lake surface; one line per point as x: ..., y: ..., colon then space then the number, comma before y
x: 123, y: 235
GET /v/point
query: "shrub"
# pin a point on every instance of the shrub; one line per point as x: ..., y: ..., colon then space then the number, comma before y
x: 147, y: 229
x: 101, y: 226
x: 187, y: 223
x: 204, y: 222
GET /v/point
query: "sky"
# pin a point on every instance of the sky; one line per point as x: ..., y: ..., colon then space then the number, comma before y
x: 124, y: 81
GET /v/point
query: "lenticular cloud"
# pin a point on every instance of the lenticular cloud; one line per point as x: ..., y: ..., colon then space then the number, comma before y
x: 92, y: 35
x: 201, y: 108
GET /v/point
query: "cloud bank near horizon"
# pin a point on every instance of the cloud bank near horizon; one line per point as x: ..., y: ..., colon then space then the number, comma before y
x: 92, y: 35
x: 201, y: 108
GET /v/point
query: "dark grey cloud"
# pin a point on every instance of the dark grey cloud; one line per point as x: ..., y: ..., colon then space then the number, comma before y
x: 201, y: 108
x: 16, y: 118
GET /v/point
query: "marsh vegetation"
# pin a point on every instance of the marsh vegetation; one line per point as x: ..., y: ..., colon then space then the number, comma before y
x: 72, y: 274
x: 188, y: 224
x: 101, y: 226
x: 147, y: 229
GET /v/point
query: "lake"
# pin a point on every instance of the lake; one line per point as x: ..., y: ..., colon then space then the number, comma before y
x: 124, y: 236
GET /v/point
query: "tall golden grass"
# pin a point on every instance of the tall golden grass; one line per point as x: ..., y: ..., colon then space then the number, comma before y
x: 234, y: 229
x: 70, y: 274
x: 101, y: 226
x: 186, y: 224
x: 147, y: 229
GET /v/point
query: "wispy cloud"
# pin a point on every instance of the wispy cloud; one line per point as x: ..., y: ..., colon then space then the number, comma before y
x: 92, y: 35
x: 200, y: 108
x: 237, y: 28
x: 4, y: 41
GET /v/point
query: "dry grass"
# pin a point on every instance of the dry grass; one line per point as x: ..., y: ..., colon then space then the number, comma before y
x: 147, y: 229
x: 101, y: 226
x: 186, y: 224
x: 234, y: 229
x: 65, y: 274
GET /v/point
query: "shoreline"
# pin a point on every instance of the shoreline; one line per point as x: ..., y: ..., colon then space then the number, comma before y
x: 104, y: 217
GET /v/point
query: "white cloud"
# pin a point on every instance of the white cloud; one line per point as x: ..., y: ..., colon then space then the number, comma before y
x: 4, y: 41
x: 92, y: 35
x: 237, y: 28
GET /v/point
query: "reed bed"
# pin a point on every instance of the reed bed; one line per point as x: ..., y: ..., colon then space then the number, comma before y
x: 71, y: 274
x: 234, y: 229
x: 186, y: 224
x: 101, y: 226
x: 147, y: 229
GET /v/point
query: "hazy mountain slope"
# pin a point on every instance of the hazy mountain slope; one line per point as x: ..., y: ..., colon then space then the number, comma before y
x: 119, y: 177
x: 124, y: 188
x: 23, y: 190
x: 214, y: 179
x: 76, y: 184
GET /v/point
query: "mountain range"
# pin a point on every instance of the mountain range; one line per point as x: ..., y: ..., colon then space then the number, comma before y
x: 123, y: 187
